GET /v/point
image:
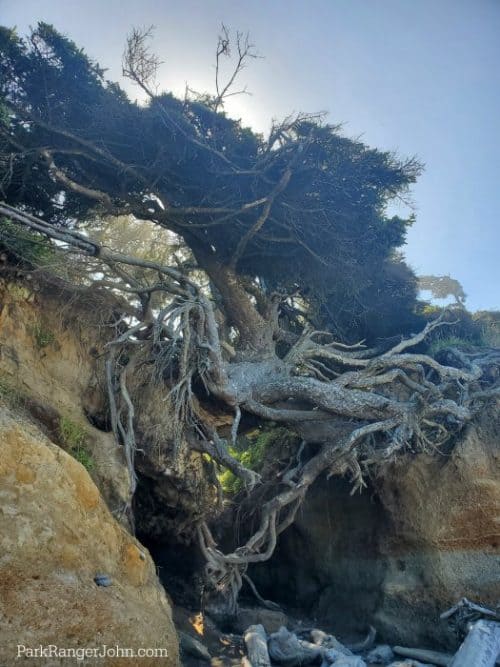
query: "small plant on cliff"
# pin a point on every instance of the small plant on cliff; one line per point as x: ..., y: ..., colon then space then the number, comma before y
x: 11, y: 394
x: 74, y: 438
x: 42, y: 335
x: 84, y: 457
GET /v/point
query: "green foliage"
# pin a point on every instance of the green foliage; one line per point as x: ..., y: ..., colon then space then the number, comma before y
x: 448, y: 341
x: 488, y: 322
x: 75, y: 439
x: 72, y: 434
x: 84, y: 457
x: 442, y: 287
x: 328, y: 237
x: 252, y: 451
x: 42, y: 335
x: 465, y: 330
x: 25, y: 245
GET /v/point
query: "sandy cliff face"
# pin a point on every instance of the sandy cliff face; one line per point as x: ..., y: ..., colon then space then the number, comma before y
x: 443, y: 535
x: 56, y: 535
x: 51, y: 344
x: 59, y: 522
x: 425, y: 534
x: 52, y: 350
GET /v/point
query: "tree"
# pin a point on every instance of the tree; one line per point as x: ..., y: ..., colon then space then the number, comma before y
x: 285, y: 250
x: 442, y: 287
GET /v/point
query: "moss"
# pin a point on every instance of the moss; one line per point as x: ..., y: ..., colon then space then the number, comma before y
x: 75, y: 439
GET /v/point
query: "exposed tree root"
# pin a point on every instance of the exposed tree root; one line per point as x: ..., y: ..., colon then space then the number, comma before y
x: 360, y: 406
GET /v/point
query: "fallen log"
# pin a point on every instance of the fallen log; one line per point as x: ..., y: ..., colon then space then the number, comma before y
x: 324, y: 640
x: 434, y: 657
x: 193, y: 647
x: 349, y: 661
x: 481, y: 647
x: 256, y: 643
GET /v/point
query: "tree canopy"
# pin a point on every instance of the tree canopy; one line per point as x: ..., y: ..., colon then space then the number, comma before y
x: 302, y: 211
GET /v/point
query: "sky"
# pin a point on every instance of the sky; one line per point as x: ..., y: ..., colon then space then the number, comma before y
x: 417, y: 77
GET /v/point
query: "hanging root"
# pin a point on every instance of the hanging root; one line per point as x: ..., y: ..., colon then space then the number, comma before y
x: 432, y: 405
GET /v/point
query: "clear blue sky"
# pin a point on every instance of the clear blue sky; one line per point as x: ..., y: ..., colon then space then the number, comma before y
x: 421, y: 77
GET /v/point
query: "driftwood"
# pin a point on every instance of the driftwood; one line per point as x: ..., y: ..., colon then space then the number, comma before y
x: 256, y: 643
x: 409, y: 662
x: 481, y: 647
x: 288, y: 650
x: 320, y: 638
x: 434, y: 657
x: 349, y: 661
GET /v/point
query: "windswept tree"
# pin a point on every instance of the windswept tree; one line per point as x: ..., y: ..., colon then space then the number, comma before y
x: 441, y: 287
x: 284, y: 259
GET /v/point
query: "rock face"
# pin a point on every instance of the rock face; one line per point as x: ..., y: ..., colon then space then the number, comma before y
x: 52, y: 350
x: 51, y: 345
x: 424, y: 535
x: 443, y: 541
x: 56, y: 535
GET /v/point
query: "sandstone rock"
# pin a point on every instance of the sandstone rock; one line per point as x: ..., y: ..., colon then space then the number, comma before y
x: 424, y: 535
x: 56, y: 534
x: 51, y: 365
x: 442, y: 540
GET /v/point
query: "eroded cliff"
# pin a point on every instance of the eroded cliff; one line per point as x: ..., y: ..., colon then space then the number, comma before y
x: 423, y: 534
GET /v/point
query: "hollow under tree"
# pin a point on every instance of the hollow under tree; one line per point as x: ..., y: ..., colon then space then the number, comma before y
x: 288, y: 254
